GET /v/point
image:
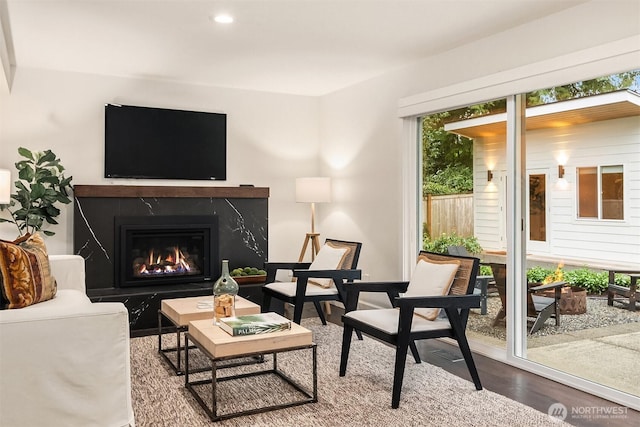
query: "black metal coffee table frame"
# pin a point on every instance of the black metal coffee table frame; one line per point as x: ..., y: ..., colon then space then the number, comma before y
x: 212, y: 411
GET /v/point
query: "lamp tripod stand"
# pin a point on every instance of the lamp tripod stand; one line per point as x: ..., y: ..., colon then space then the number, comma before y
x: 312, y: 237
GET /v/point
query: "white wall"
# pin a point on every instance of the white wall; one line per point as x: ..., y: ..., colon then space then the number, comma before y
x: 272, y: 139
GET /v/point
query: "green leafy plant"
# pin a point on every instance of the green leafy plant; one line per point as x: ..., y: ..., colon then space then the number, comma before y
x: 485, y: 270
x: 537, y: 274
x: 40, y: 186
x: 441, y: 244
x: 594, y: 282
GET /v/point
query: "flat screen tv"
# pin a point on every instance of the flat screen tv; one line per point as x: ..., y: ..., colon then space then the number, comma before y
x: 158, y: 143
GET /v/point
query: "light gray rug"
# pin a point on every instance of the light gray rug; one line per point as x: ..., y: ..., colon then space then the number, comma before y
x: 430, y: 395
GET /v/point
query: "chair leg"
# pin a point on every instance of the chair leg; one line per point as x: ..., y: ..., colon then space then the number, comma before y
x: 297, y: 312
x: 266, y: 302
x: 346, y: 345
x: 501, y: 315
x: 463, y: 344
x: 414, y: 351
x: 320, y: 312
x: 468, y: 358
x: 398, y: 373
x: 542, y: 317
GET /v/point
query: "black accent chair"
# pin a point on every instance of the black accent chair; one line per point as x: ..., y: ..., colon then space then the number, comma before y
x: 302, y: 288
x: 401, y: 326
x: 539, y: 308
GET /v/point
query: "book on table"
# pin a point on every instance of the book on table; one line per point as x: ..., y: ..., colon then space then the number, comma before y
x: 251, y: 324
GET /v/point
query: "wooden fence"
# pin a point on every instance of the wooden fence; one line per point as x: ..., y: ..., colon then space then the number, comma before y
x: 447, y: 214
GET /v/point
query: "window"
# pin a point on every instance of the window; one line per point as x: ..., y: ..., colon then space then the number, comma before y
x: 600, y: 198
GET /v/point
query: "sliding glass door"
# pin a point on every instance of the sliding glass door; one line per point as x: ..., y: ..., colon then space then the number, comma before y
x: 554, y: 171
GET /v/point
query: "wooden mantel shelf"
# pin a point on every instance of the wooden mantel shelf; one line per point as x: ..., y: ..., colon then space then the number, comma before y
x: 244, y: 192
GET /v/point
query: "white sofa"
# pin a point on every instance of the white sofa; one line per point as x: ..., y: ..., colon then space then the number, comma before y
x: 65, y: 362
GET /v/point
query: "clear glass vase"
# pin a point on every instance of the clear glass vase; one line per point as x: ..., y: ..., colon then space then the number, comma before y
x: 225, y: 290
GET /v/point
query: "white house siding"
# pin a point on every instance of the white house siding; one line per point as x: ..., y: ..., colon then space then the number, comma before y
x: 597, y: 243
x: 489, y: 226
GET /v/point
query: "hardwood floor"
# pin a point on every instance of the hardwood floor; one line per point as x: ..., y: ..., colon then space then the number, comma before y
x: 522, y: 386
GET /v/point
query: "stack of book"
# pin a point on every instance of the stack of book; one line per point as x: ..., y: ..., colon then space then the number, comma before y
x: 252, y: 324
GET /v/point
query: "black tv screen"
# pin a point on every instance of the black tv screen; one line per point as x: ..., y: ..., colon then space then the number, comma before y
x: 158, y: 143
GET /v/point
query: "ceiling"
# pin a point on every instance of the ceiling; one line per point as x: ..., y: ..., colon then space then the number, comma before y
x: 307, y: 47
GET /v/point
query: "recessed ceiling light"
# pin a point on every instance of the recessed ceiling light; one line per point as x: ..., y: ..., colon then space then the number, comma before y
x: 223, y: 18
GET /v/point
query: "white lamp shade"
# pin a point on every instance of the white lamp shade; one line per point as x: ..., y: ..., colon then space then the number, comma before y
x: 5, y: 187
x: 313, y: 190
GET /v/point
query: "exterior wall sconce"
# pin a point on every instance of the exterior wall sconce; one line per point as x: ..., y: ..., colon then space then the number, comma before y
x: 560, y: 171
x: 489, y: 175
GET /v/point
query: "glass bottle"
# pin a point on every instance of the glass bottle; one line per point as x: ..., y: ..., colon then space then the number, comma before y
x: 225, y: 290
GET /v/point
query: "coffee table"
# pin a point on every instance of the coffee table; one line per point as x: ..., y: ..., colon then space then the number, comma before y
x: 219, y: 346
x: 180, y: 311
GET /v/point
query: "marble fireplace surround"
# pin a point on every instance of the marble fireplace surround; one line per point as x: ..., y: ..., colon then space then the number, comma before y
x: 242, y: 214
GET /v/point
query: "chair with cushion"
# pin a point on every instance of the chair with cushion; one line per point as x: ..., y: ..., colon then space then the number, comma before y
x: 540, y: 308
x: 438, y: 282
x: 64, y: 360
x: 322, y: 280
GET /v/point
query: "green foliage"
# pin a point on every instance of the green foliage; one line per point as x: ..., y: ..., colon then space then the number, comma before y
x: 456, y: 179
x: 594, y: 282
x: 537, y: 274
x: 584, y: 88
x: 40, y: 186
x: 485, y: 270
x: 247, y: 271
x: 441, y: 244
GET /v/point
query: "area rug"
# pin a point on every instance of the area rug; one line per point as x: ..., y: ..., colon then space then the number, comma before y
x: 430, y: 395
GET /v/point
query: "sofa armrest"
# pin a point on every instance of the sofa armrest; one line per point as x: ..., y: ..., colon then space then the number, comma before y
x: 72, y: 369
x: 68, y: 271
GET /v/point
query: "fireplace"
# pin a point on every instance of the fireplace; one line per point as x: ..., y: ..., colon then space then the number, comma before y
x: 165, y: 250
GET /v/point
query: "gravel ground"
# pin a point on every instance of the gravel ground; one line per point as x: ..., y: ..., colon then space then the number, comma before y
x: 598, y: 315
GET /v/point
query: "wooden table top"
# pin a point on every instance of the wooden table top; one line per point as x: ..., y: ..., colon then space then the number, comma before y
x: 181, y: 311
x: 221, y: 344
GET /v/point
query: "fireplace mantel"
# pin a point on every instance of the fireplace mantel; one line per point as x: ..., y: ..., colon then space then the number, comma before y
x: 242, y: 192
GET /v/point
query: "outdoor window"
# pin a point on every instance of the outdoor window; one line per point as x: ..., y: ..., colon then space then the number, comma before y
x: 600, y: 192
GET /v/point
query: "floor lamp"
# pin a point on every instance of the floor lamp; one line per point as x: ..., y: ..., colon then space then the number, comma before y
x: 5, y: 187
x: 312, y: 190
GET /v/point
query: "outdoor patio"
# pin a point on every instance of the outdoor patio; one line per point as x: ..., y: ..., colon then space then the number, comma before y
x: 593, y: 345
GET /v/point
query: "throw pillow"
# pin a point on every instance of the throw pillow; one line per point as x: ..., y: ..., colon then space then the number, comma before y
x: 431, y: 278
x: 25, y: 275
x: 329, y: 258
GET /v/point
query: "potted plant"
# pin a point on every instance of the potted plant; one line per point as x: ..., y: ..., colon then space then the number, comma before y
x: 41, y: 185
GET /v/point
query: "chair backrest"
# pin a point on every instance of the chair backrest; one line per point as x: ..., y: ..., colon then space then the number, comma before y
x: 500, y: 277
x: 350, y: 260
x: 464, y: 281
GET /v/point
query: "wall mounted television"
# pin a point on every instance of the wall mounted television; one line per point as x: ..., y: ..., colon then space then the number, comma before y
x: 158, y: 143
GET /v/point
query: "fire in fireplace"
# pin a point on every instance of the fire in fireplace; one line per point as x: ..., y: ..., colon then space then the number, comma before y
x: 165, y: 250
x: 168, y: 261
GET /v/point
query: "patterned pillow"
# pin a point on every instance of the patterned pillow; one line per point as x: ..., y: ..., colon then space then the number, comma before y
x: 25, y: 275
x: 431, y: 278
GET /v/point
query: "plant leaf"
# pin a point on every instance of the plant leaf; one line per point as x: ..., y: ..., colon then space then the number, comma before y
x: 25, y: 153
x: 47, y: 157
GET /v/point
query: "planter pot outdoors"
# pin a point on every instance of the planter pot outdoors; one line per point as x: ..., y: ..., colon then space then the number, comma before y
x: 573, y: 300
